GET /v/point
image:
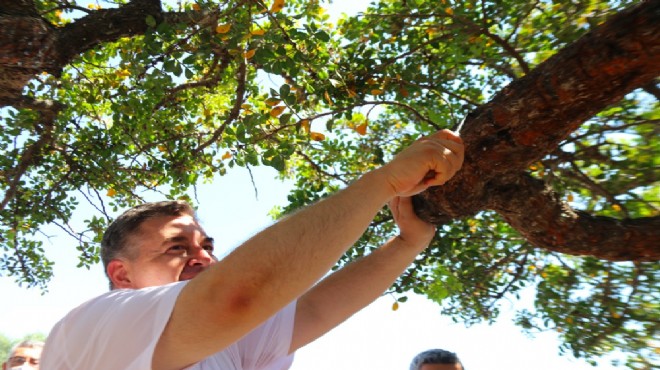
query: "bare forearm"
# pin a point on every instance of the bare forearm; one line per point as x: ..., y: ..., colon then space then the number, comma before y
x: 303, y: 247
x: 350, y: 289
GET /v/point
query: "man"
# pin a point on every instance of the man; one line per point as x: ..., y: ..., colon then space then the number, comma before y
x: 436, y: 359
x: 173, y: 306
x: 24, y: 356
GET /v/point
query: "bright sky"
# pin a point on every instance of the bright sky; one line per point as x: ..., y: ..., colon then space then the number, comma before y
x: 375, y: 338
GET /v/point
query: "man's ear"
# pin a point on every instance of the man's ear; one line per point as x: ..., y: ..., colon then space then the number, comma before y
x: 118, y: 274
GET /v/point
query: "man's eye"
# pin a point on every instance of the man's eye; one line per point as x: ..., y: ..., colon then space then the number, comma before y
x: 209, y: 248
x: 177, y: 248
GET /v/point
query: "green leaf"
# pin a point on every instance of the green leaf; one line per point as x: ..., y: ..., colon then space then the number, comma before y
x: 151, y: 21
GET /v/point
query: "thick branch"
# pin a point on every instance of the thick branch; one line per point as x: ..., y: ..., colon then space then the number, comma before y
x: 538, y: 213
x: 529, y: 118
x: 104, y: 26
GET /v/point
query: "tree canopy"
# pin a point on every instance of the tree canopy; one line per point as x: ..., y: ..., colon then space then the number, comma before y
x: 107, y: 101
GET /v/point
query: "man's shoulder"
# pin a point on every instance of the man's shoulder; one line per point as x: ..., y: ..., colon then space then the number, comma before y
x: 120, y: 320
x: 118, y: 300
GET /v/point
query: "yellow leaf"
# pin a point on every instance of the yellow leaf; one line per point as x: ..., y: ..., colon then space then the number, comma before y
x: 570, y: 197
x: 616, y: 207
x: 246, y: 106
x: 122, y: 73
x: 449, y: 11
x: 376, y: 92
x: 395, y: 306
x: 351, y: 92
x: 196, y: 7
x: 361, y: 129
x: 227, y: 155
x: 317, y: 136
x: 162, y: 148
x: 249, y: 54
x: 111, y: 192
x: 403, y: 92
x: 304, y: 124
x: 277, y: 6
x: 327, y: 97
x: 275, y: 112
x: 533, y: 167
x: 271, y: 102
x: 223, y: 28
x: 258, y: 32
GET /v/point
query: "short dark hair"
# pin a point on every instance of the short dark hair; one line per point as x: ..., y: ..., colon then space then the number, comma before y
x: 434, y: 356
x: 114, y: 242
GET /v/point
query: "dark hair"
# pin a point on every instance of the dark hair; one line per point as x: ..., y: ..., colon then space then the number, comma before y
x: 434, y: 356
x: 114, y: 242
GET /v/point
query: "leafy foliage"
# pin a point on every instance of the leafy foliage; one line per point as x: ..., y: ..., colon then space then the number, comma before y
x: 214, y: 85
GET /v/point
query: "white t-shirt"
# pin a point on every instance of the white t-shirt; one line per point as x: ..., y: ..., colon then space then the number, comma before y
x: 119, y: 331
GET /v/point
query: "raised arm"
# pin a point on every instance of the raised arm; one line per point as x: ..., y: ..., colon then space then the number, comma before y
x: 281, y: 263
x: 348, y: 290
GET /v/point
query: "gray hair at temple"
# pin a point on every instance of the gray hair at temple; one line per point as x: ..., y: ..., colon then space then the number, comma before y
x: 434, y: 356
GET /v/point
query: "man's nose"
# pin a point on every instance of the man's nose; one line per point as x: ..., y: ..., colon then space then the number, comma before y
x: 200, y: 256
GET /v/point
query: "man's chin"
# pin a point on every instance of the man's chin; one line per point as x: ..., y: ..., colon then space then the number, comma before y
x: 185, y: 277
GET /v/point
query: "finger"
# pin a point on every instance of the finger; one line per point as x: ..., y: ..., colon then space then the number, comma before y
x: 455, y: 159
x: 455, y: 154
x: 449, y: 135
x: 454, y: 146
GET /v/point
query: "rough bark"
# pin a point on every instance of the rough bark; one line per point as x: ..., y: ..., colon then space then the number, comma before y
x: 538, y: 213
x: 528, y: 119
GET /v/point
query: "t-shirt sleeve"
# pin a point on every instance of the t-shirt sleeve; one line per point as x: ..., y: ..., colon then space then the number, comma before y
x: 118, y: 330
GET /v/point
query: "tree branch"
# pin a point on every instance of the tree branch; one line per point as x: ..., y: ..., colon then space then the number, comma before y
x: 534, y: 114
x: 536, y: 211
x: 32, y: 153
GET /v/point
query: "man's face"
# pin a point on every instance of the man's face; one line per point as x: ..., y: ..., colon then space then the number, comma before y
x: 441, y: 367
x: 169, y: 249
x: 28, y: 358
